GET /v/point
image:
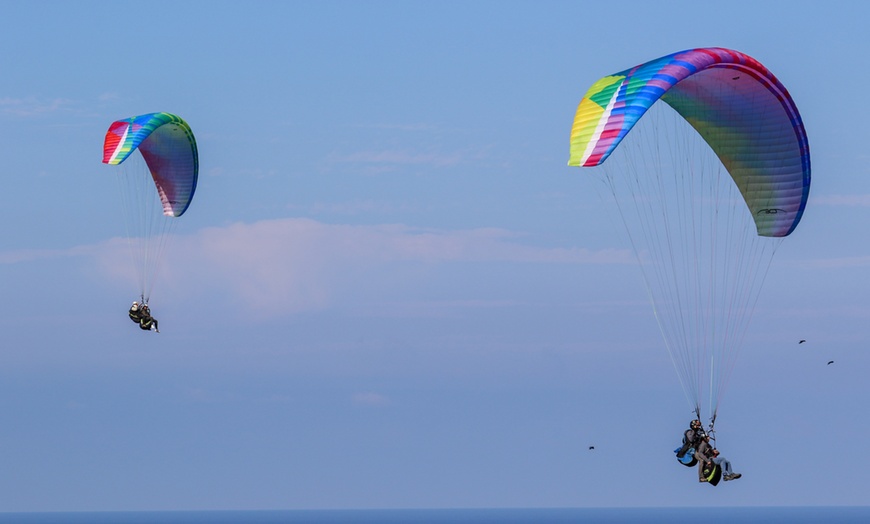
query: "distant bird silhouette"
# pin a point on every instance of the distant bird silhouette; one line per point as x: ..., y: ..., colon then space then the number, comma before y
x: 830, y: 362
x: 591, y: 447
x: 802, y: 341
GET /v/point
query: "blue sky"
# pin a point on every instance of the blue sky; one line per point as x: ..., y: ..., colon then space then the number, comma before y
x: 390, y: 290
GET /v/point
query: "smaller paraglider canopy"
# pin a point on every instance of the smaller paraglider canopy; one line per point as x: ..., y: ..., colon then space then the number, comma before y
x: 169, y: 149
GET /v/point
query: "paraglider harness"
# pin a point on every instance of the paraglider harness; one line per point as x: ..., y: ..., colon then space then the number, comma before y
x: 146, y: 320
x: 686, y: 453
x: 711, y: 473
x: 140, y: 313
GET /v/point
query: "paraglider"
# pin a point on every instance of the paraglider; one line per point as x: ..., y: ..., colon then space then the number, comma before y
x: 141, y: 314
x: 157, y: 181
x: 709, y: 167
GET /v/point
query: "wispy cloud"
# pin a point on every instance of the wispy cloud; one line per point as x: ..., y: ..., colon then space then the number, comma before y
x: 33, y: 106
x: 836, y: 263
x: 32, y: 255
x: 399, y: 157
x: 842, y: 200
x: 353, y: 207
x: 195, y: 394
x: 397, y: 127
x: 256, y: 173
x: 369, y: 398
x: 838, y: 311
x: 109, y: 97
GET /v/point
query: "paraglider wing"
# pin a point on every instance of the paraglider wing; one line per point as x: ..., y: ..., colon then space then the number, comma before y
x: 169, y: 149
x: 740, y: 109
x: 707, y: 183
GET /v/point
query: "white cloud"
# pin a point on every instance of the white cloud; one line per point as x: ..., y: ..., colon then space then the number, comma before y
x: 298, y: 264
x: 294, y: 265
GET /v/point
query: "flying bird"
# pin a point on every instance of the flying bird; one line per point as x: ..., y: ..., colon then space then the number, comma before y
x: 830, y: 362
x: 591, y: 447
x: 802, y: 341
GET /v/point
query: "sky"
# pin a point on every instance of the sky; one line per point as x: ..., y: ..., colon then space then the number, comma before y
x: 390, y: 290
